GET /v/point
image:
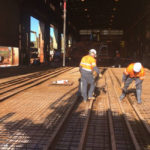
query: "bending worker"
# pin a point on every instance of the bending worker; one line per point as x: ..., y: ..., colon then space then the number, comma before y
x: 87, y: 66
x: 134, y: 71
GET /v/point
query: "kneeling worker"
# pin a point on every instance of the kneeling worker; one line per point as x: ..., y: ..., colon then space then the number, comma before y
x: 87, y: 66
x: 134, y: 71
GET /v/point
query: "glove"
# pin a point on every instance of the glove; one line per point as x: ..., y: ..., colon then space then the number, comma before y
x: 100, y: 75
x: 122, y: 85
x: 142, y: 78
x: 95, y: 74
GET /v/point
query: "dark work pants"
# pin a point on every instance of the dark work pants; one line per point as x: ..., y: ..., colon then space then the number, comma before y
x: 129, y: 80
x: 87, y: 79
x: 138, y: 84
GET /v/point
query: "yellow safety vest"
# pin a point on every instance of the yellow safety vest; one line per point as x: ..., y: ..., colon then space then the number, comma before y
x: 88, y: 63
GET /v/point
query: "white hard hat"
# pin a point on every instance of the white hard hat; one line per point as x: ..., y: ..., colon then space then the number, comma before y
x: 137, y: 67
x: 92, y: 51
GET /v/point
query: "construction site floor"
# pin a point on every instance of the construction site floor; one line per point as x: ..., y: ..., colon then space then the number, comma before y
x: 32, y: 107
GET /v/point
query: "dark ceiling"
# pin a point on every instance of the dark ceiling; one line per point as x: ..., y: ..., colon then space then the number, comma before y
x: 92, y: 14
x: 105, y: 14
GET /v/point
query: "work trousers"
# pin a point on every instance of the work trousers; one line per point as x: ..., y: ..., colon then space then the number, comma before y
x: 87, y: 79
x: 129, y: 80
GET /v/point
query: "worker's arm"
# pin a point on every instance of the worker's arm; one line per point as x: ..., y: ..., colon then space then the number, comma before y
x: 99, y: 75
x: 124, y: 78
x: 80, y: 68
x: 96, y: 69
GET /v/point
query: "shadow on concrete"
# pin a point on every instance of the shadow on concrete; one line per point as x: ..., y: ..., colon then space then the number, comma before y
x: 24, y: 134
x: 30, y: 81
x: 22, y: 70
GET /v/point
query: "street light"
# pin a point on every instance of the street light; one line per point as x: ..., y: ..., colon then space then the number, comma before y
x: 64, y: 33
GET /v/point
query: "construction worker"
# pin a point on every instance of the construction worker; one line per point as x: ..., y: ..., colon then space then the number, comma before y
x: 134, y: 71
x: 87, y: 66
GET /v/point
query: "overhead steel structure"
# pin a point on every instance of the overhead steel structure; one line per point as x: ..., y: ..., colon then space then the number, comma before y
x: 130, y: 17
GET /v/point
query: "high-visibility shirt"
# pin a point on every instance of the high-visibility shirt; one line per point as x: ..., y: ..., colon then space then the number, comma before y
x: 129, y: 71
x: 88, y: 63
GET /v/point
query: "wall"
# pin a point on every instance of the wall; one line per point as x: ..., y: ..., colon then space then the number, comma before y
x: 9, y: 22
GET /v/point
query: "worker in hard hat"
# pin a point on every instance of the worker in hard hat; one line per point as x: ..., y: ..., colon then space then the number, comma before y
x: 135, y: 71
x: 87, y: 66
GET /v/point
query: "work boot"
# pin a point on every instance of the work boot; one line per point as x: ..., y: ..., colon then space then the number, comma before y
x: 138, y: 94
x: 122, y: 96
x: 84, y: 101
x: 91, y: 98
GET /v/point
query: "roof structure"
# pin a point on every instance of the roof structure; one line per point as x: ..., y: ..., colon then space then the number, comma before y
x: 104, y: 14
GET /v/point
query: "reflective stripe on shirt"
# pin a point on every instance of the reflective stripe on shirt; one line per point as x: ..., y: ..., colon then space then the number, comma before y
x: 87, y: 69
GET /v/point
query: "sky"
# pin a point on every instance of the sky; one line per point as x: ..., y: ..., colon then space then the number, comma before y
x: 35, y: 27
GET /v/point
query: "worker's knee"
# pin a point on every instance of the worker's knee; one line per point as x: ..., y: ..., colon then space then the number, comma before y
x: 138, y: 83
x: 139, y: 86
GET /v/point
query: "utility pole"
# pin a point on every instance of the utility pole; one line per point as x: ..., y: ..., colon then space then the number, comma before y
x: 64, y: 33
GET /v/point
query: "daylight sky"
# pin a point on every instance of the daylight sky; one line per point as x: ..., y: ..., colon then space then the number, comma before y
x: 35, y: 27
